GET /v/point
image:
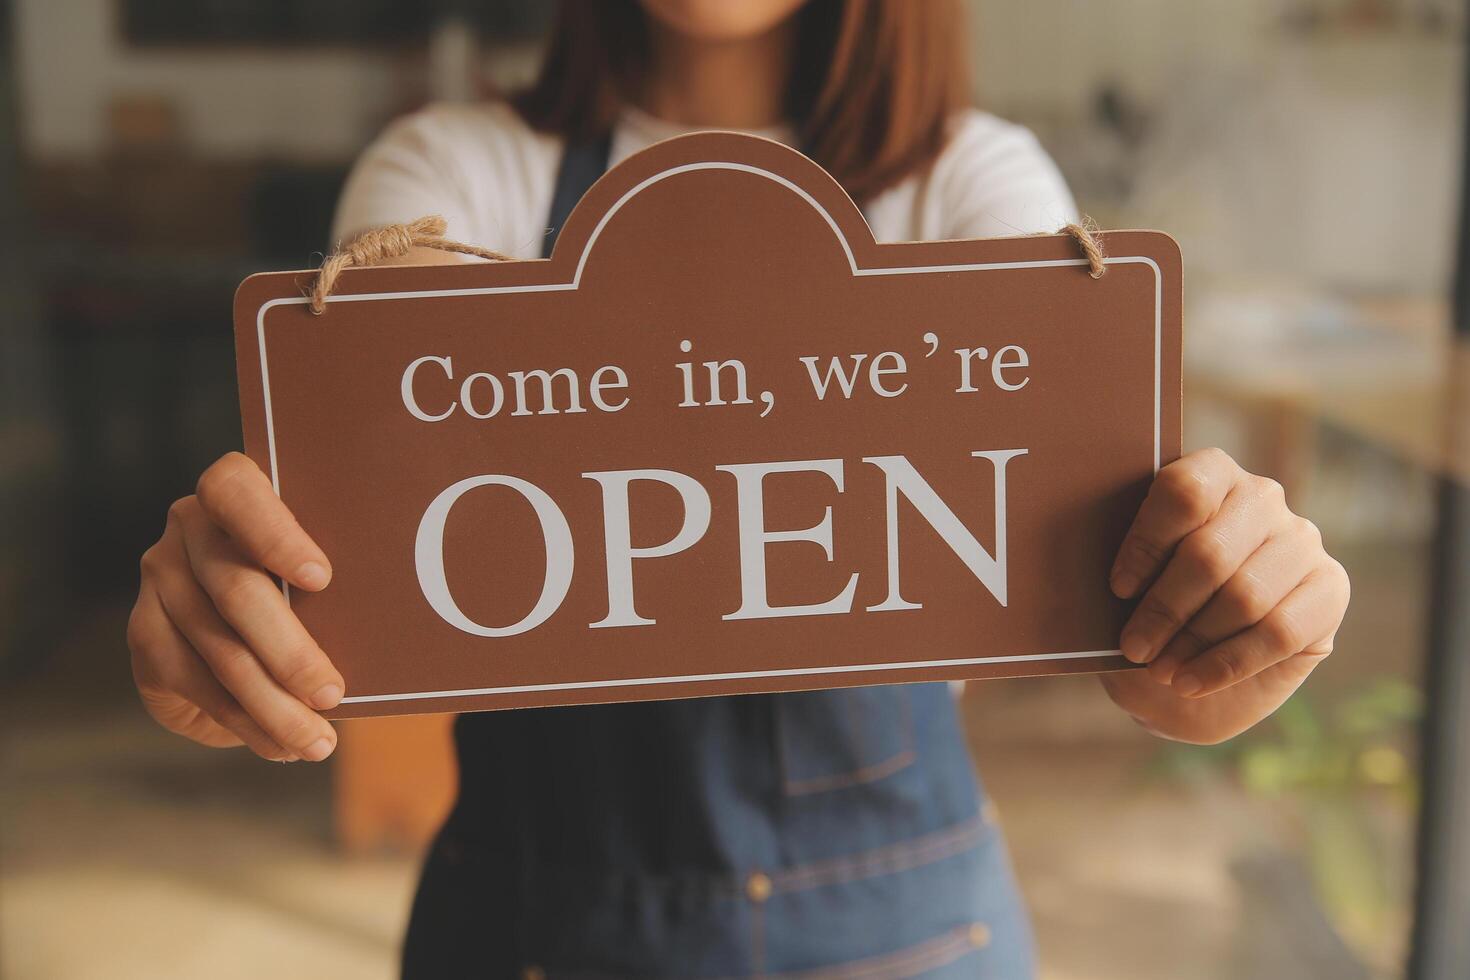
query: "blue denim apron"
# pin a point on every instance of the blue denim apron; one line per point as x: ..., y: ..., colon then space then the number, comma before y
x: 819, y: 835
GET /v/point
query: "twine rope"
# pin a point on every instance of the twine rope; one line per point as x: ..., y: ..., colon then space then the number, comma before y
x: 389, y: 242
x: 395, y: 241
x: 1085, y: 235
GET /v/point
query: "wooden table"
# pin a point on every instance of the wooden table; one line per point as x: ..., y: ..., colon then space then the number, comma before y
x: 1406, y: 391
x: 394, y: 781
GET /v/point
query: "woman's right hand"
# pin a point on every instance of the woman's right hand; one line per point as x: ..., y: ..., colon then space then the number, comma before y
x: 218, y: 655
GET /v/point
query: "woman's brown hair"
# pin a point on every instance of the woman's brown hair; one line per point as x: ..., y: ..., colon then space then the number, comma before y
x: 873, y: 83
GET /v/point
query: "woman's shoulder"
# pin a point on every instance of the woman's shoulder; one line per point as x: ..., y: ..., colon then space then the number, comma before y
x: 494, y: 118
x: 974, y: 130
x: 486, y: 131
x: 480, y: 164
x: 992, y: 179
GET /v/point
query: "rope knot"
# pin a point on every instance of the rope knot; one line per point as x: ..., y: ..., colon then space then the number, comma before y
x: 1085, y: 237
x: 388, y: 242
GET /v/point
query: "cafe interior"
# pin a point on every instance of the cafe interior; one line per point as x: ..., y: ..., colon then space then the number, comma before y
x: 1308, y: 156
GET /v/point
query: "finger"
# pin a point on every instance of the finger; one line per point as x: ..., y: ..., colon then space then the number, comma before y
x: 237, y: 497
x: 204, y: 689
x: 1267, y: 577
x: 181, y: 694
x: 1202, y: 563
x: 249, y: 601
x: 283, y: 716
x: 1208, y: 721
x: 1184, y: 496
x: 1303, y: 623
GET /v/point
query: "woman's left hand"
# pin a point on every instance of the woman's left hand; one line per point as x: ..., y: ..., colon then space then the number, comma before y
x: 1240, y: 601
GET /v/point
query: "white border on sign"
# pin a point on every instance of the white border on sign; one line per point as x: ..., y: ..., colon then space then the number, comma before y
x: 576, y: 280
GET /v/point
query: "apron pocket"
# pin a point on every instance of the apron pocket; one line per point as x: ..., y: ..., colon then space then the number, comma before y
x: 828, y: 740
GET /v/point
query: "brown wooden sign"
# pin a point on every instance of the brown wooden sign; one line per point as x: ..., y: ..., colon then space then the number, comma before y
x: 721, y: 442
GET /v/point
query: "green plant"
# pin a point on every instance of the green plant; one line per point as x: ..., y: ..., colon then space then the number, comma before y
x: 1341, y: 778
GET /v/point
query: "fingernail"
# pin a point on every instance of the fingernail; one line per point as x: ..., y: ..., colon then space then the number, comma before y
x: 1187, y: 685
x: 329, y: 696
x: 1163, y: 671
x: 1135, y: 648
x: 1124, y: 584
x: 313, y: 575
x: 318, y: 750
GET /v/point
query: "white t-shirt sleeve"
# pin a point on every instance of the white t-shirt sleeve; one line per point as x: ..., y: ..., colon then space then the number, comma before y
x: 479, y: 166
x: 992, y: 180
x: 997, y: 181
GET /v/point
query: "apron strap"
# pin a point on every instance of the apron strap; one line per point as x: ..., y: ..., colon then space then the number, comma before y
x: 582, y: 162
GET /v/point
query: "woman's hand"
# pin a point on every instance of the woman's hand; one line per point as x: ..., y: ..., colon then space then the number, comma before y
x: 218, y: 656
x: 1241, y: 601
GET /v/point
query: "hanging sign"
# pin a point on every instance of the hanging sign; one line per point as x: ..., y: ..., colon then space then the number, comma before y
x: 722, y: 441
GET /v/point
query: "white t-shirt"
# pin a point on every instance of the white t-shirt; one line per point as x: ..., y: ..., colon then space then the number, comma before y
x: 491, y: 176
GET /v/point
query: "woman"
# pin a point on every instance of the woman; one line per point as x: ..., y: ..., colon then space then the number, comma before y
x: 828, y: 834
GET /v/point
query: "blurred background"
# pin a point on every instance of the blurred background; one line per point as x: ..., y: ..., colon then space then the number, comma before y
x: 1306, y: 153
